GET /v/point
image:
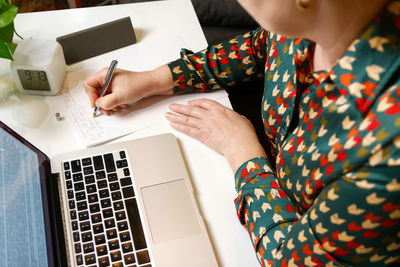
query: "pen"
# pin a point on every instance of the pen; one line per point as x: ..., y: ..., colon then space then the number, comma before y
x: 109, y: 76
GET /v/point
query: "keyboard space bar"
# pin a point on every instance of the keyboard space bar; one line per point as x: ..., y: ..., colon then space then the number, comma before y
x: 135, y: 223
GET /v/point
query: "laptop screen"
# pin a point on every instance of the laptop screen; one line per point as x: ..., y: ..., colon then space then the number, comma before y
x: 22, y: 219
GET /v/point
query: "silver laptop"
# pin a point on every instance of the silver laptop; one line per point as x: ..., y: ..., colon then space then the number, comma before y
x: 124, y: 204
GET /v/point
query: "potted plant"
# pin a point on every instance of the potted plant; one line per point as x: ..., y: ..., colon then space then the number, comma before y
x: 8, y: 11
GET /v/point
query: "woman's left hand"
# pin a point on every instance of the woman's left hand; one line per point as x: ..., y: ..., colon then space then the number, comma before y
x: 219, y: 128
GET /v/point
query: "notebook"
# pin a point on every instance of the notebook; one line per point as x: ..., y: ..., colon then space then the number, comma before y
x: 123, y: 204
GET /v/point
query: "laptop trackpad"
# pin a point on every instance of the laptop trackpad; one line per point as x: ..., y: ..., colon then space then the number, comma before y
x: 170, y: 211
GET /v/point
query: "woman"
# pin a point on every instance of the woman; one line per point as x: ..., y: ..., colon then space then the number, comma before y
x: 331, y: 114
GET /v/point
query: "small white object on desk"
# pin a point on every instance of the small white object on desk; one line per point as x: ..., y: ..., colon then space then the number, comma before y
x: 38, y: 67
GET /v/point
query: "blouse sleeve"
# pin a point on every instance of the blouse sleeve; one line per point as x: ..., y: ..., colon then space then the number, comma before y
x: 237, y: 60
x: 354, y: 221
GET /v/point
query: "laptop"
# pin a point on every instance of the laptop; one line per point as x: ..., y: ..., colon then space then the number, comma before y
x: 123, y: 204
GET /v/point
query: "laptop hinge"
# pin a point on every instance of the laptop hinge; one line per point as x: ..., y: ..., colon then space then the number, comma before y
x: 56, y: 218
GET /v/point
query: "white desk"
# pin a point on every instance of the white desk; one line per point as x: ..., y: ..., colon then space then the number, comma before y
x: 211, y: 176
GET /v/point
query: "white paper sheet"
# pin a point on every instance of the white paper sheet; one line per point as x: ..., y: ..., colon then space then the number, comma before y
x: 94, y: 131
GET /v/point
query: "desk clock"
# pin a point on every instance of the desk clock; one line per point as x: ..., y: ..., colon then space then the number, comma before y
x: 38, y: 67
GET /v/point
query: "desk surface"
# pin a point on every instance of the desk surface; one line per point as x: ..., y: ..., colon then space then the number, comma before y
x: 211, y: 176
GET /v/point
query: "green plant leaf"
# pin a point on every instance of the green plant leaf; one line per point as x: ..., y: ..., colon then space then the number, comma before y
x: 3, y: 2
x: 4, y: 51
x: 7, y: 14
x: 7, y: 32
x: 11, y: 47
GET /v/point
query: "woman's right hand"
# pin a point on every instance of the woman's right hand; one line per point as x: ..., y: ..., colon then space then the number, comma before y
x: 127, y: 87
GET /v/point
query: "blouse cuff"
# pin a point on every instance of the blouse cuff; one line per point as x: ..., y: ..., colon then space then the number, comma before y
x: 259, y: 166
x: 184, y: 75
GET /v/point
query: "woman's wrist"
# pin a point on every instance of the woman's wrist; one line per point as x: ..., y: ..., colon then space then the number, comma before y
x: 161, y: 81
x: 241, y: 154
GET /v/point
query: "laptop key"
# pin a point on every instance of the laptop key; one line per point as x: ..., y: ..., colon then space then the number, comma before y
x: 114, y: 186
x: 96, y: 218
x: 104, y: 261
x: 128, y: 191
x: 124, y: 236
x: 71, y: 204
x: 100, y: 239
x: 79, y: 259
x: 88, y: 247
x: 102, y: 184
x: 98, y: 228
x: 86, y: 161
x: 80, y: 196
x: 119, y: 264
x: 90, y: 259
x: 104, y: 193
x: 122, y: 164
x: 94, y: 208
x: 66, y: 165
x: 73, y: 214
x: 107, y: 213
x: 116, y: 256
x: 109, y: 160
x: 76, y: 236
x: 76, y: 165
x: 85, y: 226
x: 89, y: 179
x: 125, y: 181
x: 143, y: 257
x: 91, y: 188
x: 112, y: 177
x: 126, y: 172
x: 77, y: 177
x: 119, y: 205
x: 129, y: 258
x: 69, y: 184
x: 83, y: 215
x: 93, y: 198
x: 105, y: 203
x: 122, y: 154
x: 74, y: 225
x: 78, y: 248
x: 86, y: 237
x: 113, y: 244
x: 100, y: 175
x: 70, y: 194
x: 101, y: 250
x: 67, y: 175
x: 127, y: 247
x: 82, y: 205
x: 116, y: 195
x: 79, y: 186
x: 98, y: 163
x: 110, y: 223
x: 136, y: 224
x: 111, y: 234
x: 122, y: 226
x: 88, y: 170
x: 120, y: 215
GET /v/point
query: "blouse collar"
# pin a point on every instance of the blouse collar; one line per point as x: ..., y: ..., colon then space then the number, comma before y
x: 369, y: 62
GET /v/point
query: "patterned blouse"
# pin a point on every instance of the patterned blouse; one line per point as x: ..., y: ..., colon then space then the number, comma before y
x: 333, y: 196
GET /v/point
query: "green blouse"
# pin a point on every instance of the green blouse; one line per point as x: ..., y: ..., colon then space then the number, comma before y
x: 333, y: 196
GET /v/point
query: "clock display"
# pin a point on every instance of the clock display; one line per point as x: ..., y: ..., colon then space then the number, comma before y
x: 34, y: 80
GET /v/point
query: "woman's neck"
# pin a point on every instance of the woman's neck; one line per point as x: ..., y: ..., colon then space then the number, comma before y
x: 338, y: 28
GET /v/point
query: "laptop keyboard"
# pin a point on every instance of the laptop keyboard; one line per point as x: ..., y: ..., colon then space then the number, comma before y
x: 105, y: 221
